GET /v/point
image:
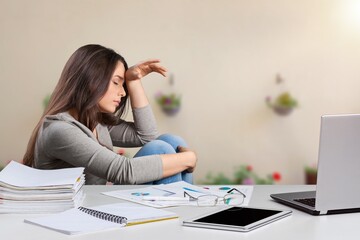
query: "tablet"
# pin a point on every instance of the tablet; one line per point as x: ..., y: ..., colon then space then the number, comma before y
x: 241, y: 219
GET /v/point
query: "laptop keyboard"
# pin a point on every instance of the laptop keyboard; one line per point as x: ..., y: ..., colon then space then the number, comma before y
x: 307, y: 201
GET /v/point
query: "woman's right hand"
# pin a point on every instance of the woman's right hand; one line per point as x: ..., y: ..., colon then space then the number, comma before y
x: 181, y: 149
x: 142, y: 69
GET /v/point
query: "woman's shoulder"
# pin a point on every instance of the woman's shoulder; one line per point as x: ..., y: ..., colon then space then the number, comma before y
x: 62, y: 121
x: 63, y: 124
x: 60, y: 117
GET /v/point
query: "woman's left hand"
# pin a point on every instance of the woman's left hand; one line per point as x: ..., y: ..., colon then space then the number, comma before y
x: 142, y: 69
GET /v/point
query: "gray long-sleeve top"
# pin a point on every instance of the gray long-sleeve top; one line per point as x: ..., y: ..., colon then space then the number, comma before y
x: 64, y: 142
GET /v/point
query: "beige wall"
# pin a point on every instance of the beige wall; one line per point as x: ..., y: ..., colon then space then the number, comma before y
x: 224, y: 55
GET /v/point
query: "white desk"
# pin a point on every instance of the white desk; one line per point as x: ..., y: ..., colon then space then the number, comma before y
x: 298, y: 226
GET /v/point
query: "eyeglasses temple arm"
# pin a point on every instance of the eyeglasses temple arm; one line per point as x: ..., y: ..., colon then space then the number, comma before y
x: 191, y: 198
x: 234, y: 189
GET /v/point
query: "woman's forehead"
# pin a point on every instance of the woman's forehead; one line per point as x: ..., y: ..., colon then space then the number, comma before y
x: 119, y: 69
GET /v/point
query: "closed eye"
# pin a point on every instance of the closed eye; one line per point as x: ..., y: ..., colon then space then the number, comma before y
x: 118, y: 80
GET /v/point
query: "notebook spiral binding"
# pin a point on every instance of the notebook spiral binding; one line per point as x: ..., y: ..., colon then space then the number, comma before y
x: 105, y: 216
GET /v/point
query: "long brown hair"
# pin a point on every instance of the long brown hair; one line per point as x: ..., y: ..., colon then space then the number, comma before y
x: 83, y: 82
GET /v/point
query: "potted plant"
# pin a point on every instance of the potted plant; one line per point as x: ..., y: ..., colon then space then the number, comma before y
x: 246, y: 176
x: 284, y: 103
x: 169, y: 103
x: 243, y: 175
x: 46, y: 100
x: 310, y: 174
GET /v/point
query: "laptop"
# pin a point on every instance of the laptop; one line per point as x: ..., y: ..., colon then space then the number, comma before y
x: 338, y: 176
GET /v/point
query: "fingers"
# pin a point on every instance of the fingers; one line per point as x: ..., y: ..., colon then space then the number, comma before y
x: 152, y: 65
x: 159, y: 69
x: 150, y: 61
x: 156, y: 67
x: 192, y: 158
x: 182, y: 149
x: 144, y: 68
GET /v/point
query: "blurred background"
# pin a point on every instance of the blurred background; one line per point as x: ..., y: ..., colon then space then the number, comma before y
x: 229, y: 61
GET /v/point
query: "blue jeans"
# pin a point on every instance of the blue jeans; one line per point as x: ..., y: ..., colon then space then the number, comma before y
x: 166, y: 144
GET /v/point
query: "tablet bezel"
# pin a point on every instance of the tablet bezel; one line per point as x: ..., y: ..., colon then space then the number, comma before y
x: 191, y: 221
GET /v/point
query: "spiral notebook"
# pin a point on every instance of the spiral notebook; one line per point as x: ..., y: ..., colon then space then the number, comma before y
x: 112, y: 216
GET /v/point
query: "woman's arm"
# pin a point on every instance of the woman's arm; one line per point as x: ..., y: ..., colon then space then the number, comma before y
x: 172, y: 163
x: 133, y: 78
x: 137, y: 133
x: 143, y: 129
x: 62, y: 141
x: 178, y: 162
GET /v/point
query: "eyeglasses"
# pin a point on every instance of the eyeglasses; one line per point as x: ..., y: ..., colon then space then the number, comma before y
x: 233, y: 197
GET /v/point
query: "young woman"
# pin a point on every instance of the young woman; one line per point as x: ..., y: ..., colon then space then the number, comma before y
x: 83, y: 121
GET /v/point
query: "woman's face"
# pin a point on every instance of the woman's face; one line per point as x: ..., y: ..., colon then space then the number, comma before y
x: 111, y: 100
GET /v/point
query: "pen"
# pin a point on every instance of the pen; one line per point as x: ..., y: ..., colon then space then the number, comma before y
x: 192, y: 190
x: 162, y: 198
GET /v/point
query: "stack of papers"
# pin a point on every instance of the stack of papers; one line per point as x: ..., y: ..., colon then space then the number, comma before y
x: 28, y: 190
x: 172, y: 194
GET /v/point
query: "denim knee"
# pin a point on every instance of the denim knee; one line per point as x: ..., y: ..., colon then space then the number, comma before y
x: 173, y: 140
x: 155, y: 147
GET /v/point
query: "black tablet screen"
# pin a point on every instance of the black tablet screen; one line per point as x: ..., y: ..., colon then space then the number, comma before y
x: 238, y: 216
